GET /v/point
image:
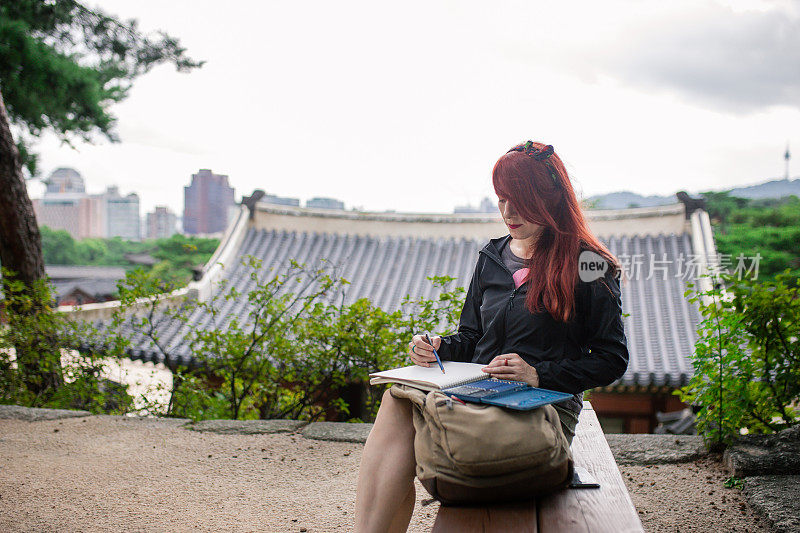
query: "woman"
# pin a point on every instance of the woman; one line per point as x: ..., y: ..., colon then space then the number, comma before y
x: 530, y: 315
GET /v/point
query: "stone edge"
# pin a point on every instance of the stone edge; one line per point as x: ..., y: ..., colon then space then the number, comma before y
x: 343, y: 432
x: 326, y: 431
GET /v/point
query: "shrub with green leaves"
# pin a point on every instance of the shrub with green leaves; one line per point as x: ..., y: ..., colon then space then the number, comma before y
x: 363, y: 338
x: 39, y: 366
x: 747, y: 358
x: 295, y: 350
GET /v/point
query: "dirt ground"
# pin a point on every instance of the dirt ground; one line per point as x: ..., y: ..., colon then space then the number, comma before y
x: 689, y: 497
x: 106, y: 474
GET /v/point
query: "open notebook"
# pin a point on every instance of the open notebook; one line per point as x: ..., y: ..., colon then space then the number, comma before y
x: 469, y: 383
x: 431, y: 378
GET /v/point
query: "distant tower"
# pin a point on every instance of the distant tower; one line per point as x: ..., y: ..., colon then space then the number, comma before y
x: 787, y: 156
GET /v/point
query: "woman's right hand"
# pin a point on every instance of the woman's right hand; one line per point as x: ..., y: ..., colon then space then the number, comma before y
x: 421, y: 352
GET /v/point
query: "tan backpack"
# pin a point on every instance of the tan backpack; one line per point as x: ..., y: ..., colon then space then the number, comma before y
x: 478, y: 453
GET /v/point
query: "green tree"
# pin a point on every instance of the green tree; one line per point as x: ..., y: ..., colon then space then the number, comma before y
x: 59, y: 248
x: 769, y: 227
x: 90, y: 251
x: 62, y: 67
x: 720, y: 206
x: 179, y: 255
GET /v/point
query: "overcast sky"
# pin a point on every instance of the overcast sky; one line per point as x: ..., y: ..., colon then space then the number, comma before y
x: 407, y: 105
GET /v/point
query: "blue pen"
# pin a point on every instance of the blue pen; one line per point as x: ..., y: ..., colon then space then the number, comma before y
x: 428, y: 340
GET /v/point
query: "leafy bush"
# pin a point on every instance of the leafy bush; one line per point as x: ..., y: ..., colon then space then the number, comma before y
x: 294, y: 348
x: 747, y: 358
x: 38, y: 366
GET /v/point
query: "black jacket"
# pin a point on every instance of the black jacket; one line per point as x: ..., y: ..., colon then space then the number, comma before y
x: 588, y: 351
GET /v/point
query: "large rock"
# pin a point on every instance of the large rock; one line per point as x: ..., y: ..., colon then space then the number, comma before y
x: 777, y: 498
x: 246, y: 427
x: 35, y: 414
x: 646, y: 449
x: 754, y: 455
x: 337, y: 431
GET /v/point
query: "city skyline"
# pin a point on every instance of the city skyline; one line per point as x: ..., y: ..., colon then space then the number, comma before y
x: 770, y: 188
x: 67, y: 205
x: 339, y: 101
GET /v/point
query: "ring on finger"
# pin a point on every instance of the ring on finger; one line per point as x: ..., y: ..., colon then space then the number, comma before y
x: 414, y: 350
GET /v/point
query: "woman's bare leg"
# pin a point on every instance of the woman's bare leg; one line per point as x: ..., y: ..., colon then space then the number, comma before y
x: 385, y: 493
x: 403, y: 514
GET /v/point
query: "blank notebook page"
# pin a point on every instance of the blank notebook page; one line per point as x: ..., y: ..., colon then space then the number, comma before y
x: 455, y: 374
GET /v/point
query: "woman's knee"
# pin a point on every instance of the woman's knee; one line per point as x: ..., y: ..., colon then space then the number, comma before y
x: 389, y: 402
x: 387, y: 395
x: 394, y: 414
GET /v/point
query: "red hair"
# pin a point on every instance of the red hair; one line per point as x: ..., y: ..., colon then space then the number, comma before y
x: 541, y: 193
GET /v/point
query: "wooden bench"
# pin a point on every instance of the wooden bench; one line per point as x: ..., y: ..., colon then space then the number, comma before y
x: 608, y: 508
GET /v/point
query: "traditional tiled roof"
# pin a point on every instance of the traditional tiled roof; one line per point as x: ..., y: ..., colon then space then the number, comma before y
x: 72, y: 272
x: 98, y: 282
x: 95, y: 288
x: 660, y: 323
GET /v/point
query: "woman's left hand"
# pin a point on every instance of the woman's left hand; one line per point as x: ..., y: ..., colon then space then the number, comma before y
x: 512, y: 366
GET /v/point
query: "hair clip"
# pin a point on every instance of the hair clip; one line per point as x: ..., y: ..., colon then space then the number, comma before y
x: 539, y: 155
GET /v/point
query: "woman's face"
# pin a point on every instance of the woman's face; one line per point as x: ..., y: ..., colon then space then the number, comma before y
x: 518, y: 227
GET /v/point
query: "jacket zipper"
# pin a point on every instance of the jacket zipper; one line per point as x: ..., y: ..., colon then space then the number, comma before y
x: 503, y: 265
x: 510, y: 275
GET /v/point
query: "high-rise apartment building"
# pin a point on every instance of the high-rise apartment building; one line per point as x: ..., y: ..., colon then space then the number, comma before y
x: 161, y: 223
x: 66, y: 206
x: 206, y: 203
x: 122, y: 215
x: 61, y: 211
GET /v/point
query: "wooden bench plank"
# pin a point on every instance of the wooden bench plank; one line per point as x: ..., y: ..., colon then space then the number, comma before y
x: 519, y: 517
x: 608, y: 508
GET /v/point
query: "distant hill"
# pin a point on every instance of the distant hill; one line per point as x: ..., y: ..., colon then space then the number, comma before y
x: 624, y: 199
x: 769, y: 189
